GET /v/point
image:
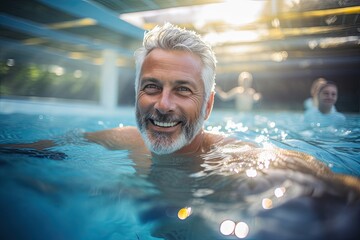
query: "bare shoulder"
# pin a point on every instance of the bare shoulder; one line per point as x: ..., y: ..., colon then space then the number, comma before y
x: 117, y: 138
x: 220, y: 140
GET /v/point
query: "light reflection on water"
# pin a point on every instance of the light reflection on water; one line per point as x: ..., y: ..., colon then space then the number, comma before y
x: 231, y: 193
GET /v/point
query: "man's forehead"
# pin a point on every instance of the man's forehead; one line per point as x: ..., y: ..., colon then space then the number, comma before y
x: 159, y: 54
x: 172, y: 63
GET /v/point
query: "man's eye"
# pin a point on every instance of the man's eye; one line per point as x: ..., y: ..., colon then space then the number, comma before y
x: 151, y: 88
x: 184, y: 89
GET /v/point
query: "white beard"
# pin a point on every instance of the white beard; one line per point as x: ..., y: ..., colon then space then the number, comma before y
x: 161, y: 143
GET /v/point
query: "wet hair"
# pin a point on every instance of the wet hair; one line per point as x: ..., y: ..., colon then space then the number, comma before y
x: 171, y: 37
x: 327, y: 83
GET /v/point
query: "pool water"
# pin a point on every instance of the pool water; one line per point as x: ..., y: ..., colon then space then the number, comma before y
x: 80, y: 190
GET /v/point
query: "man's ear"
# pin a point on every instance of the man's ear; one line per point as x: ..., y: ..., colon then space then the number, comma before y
x: 209, y: 105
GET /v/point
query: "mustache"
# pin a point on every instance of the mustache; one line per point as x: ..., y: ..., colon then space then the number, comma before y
x: 157, y: 116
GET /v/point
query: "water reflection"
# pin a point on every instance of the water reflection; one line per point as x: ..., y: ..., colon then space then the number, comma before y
x: 267, y: 203
x: 229, y: 227
x: 184, y: 213
x: 241, y: 230
x: 238, y: 191
x: 279, y: 192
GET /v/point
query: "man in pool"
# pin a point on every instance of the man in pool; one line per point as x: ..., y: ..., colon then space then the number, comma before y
x: 175, y: 78
x: 174, y: 85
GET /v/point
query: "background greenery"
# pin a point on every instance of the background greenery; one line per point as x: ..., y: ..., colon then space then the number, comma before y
x: 30, y: 79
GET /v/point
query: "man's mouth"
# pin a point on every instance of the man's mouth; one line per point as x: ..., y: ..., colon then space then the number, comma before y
x: 164, y: 124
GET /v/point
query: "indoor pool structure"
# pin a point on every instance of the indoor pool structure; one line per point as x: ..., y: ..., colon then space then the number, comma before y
x: 179, y: 120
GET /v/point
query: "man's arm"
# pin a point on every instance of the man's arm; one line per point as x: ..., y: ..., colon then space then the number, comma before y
x: 115, y: 138
x: 230, y: 94
x: 39, y: 145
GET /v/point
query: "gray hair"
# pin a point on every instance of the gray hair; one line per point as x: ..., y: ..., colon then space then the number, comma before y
x: 170, y: 37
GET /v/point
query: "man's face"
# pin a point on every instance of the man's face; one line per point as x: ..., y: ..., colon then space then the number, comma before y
x: 170, y: 101
x: 328, y: 96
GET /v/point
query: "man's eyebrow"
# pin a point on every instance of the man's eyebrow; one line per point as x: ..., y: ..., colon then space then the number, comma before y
x: 150, y: 79
x: 183, y: 82
x: 155, y: 80
x: 187, y: 83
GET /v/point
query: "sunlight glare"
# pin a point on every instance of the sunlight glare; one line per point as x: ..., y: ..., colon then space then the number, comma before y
x: 251, y: 173
x: 267, y: 203
x: 57, y: 70
x: 241, y: 12
x: 241, y: 230
x: 234, y: 14
x: 279, y: 192
x: 184, y: 213
x: 231, y: 36
x: 227, y: 227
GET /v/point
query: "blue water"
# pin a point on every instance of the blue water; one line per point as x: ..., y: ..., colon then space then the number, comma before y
x: 82, y: 191
x: 338, y: 147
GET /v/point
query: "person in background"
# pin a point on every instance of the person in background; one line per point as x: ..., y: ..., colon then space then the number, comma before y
x: 175, y: 78
x: 245, y: 96
x: 312, y: 101
x: 325, y: 114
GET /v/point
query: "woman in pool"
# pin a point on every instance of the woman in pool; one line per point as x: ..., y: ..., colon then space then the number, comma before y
x: 325, y: 113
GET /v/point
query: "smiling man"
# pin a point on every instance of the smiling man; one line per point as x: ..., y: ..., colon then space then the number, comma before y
x: 171, y: 105
x: 175, y: 78
x: 174, y: 85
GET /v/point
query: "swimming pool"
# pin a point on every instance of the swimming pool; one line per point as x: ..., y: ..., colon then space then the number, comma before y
x: 82, y: 191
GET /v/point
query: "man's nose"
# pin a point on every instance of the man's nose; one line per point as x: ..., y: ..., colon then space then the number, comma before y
x: 165, y: 103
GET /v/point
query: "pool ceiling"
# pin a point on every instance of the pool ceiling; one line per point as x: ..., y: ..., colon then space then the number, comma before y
x: 255, y: 34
